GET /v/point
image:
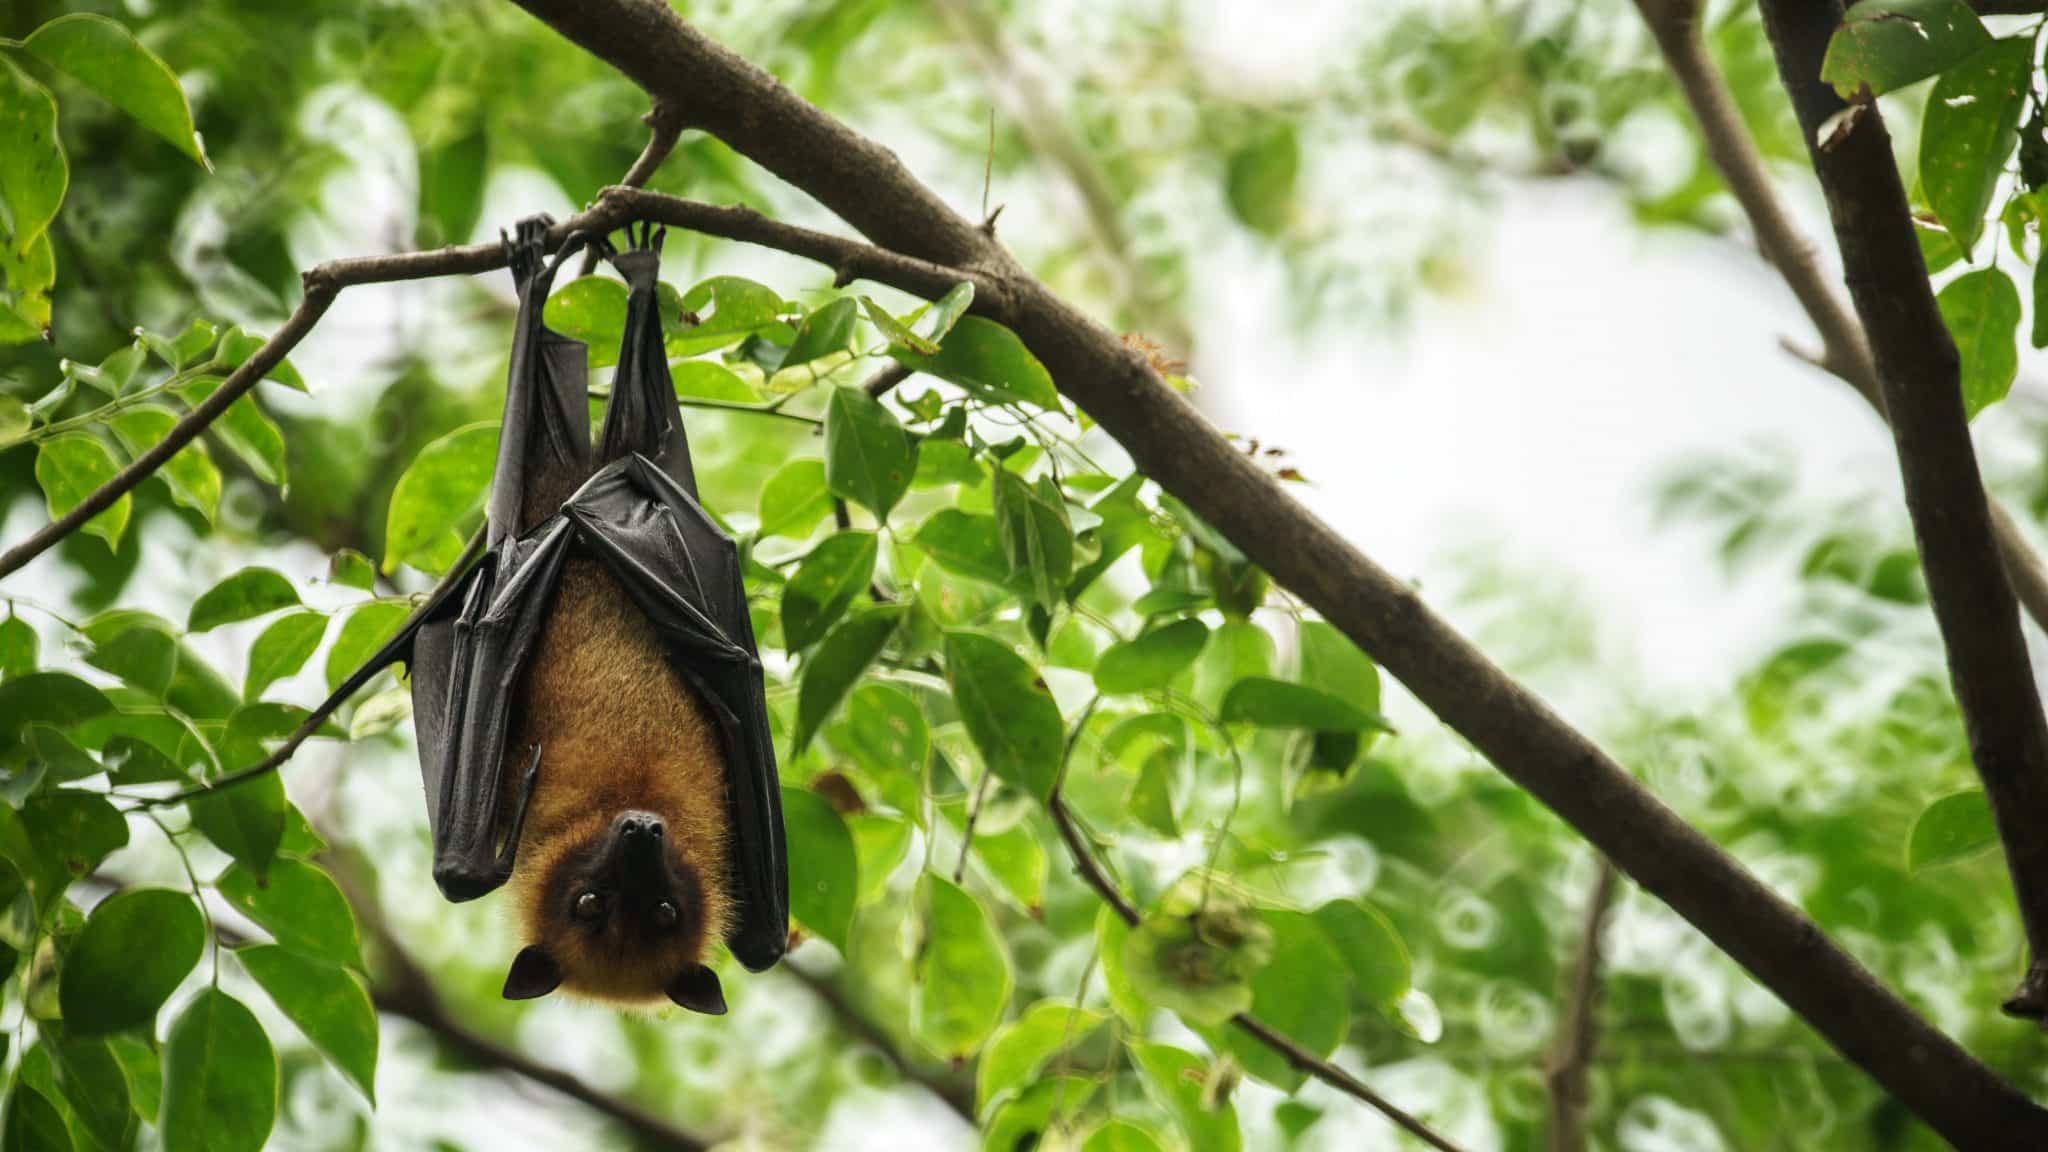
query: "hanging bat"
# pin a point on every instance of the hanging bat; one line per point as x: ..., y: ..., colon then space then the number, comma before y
x: 588, y: 697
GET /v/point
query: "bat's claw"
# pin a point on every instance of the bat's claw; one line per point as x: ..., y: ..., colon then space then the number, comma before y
x: 525, y: 250
x: 640, y: 264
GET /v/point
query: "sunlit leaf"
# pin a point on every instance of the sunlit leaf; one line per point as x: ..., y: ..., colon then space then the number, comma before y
x: 1952, y: 828
x: 1982, y: 309
x: 245, y: 429
x: 1151, y: 661
x: 190, y: 474
x: 281, y: 650
x: 822, y: 587
x: 1020, y: 1048
x: 795, y: 499
x: 365, y: 631
x: 1887, y: 44
x: 443, y: 485
x: 1973, y: 119
x: 247, y: 594
x: 299, y: 905
x: 965, y: 543
x: 69, y: 468
x: 1174, y: 1078
x: 837, y: 663
x: 1268, y: 703
x: 868, y: 458
x: 1380, y: 968
x: 824, y: 872
x: 327, y: 1002
x: 989, y: 361
x: 963, y: 971
x: 245, y: 820
x: 1008, y: 711
x: 33, y: 173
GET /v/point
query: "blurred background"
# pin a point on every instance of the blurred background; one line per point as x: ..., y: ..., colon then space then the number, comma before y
x: 1463, y: 264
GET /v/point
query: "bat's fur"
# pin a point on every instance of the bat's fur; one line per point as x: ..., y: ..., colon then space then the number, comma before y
x: 618, y: 730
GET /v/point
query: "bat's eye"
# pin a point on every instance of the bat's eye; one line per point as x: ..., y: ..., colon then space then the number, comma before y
x: 664, y: 915
x: 589, y: 906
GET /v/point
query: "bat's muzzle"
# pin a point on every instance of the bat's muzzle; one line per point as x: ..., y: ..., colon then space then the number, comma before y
x: 641, y: 841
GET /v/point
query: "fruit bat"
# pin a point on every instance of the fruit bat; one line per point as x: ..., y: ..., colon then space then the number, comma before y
x: 591, y: 720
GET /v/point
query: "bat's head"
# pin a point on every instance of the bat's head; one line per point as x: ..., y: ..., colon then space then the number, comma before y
x: 616, y: 912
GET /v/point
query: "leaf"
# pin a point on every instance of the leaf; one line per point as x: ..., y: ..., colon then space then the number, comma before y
x: 96, y: 1088
x: 896, y: 332
x: 245, y: 820
x: 107, y: 58
x: 1888, y: 44
x: 62, y: 759
x: 795, y: 499
x: 741, y: 307
x: 15, y: 418
x: 58, y: 837
x: 1332, y: 663
x: 17, y: 647
x: 365, y: 631
x: 827, y: 581
x: 1049, y: 1105
x: 1016, y: 860
x: 1267, y: 703
x: 1260, y: 178
x: 591, y: 309
x: 823, y: 332
x: 33, y: 174
x: 943, y: 462
x: 299, y: 905
x: 704, y: 380
x: 1152, y: 796
x: 33, y: 1123
x: 55, y: 698
x: 963, y: 972
x: 1032, y: 521
x: 189, y: 474
x: 941, y: 315
x: 824, y: 872
x: 1973, y: 119
x: 442, y: 486
x: 237, y: 345
x: 1299, y: 994
x: 1150, y: 662
x: 1009, y: 713
x: 281, y: 650
x: 69, y: 468
x: 989, y: 361
x: 1021, y: 1048
x: 868, y: 457
x: 380, y: 713
x: 26, y: 277
x: 145, y: 655
x: 327, y: 1002
x: 244, y: 428
x: 452, y: 173
x: 1197, y: 952
x: 140, y: 1067
x: 134, y: 951
x: 220, y: 1078
x: 247, y: 594
x: 1111, y: 937
x: 1380, y: 967
x: 965, y: 544
x: 1175, y: 1079
x: 885, y: 732
x: 1116, y: 1135
x: 837, y: 664
x: 1955, y: 827
x: 879, y: 843
x: 1982, y: 310
x: 351, y: 569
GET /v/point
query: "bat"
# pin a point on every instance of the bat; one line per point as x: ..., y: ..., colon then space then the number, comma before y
x: 591, y: 719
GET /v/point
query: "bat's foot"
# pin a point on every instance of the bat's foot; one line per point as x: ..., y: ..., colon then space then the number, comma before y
x: 641, y: 262
x: 526, y: 248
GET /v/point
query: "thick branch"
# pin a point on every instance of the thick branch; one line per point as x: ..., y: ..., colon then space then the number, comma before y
x: 1919, y: 372
x: 1846, y: 353
x: 1298, y: 1058
x: 870, y: 189
x: 1578, y: 1031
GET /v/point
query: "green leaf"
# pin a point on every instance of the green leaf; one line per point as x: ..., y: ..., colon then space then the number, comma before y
x: 1889, y: 44
x: 795, y: 499
x: 824, y: 872
x: 1150, y: 662
x: 135, y: 949
x: 2040, y: 332
x: 247, y: 594
x: 1008, y: 711
x: 1112, y: 935
x: 1050, y: 1104
x: 1973, y: 119
x: 33, y: 174
x: 989, y: 361
x: 1260, y: 178
x: 896, y: 332
x: 1021, y: 1048
x: 1332, y: 663
x: 107, y: 58
x: 186, y: 346
x: 299, y: 905
x: 452, y: 173
x: 246, y: 820
x: 835, y: 572
x: 220, y: 1078
x: 140, y: 1067
x: 1380, y: 968
x: 69, y: 468
x: 190, y: 474
x: 1120, y: 1136
x: 365, y: 631
x: 237, y: 345
x: 963, y: 972
x: 837, y: 664
x: 33, y: 1123
x: 1032, y: 521
x: 17, y: 647
x: 244, y: 428
x: 1938, y: 249
x: 1982, y: 309
x: 879, y: 844
x: 1197, y: 952
x: 943, y: 462
x: 15, y: 418
x: 885, y: 732
x: 1955, y: 827
x: 965, y: 544
x: 704, y: 380
x: 1152, y: 795
x: 282, y: 649
x: 443, y: 486
x: 1016, y: 859
x: 868, y: 457
x: 144, y: 654
x: 55, y: 698
x: 941, y: 315
x: 351, y: 569
x: 26, y: 277
x: 62, y: 759
x: 380, y: 713
x: 1175, y: 1079
x: 1298, y: 993
x: 96, y: 1088
x: 327, y: 1002
x: 1267, y: 703
x: 591, y: 309
x: 740, y: 308
x: 59, y: 836
x: 823, y: 332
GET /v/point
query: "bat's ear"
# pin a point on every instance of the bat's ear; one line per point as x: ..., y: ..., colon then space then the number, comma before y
x: 696, y: 988
x: 534, y: 973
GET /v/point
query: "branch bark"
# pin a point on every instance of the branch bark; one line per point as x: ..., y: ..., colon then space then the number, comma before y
x: 868, y: 187
x: 1578, y: 1033
x: 1918, y: 370
x: 1675, y: 24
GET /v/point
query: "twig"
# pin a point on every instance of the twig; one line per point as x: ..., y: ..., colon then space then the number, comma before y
x: 1675, y: 24
x: 973, y: 818
x: 1578, y: 1032
x: 884, y: 379
x: 956, y: 1095
x: 1918, y: 370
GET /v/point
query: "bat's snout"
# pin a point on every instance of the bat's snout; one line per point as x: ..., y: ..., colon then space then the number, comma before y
x: 639, y: 837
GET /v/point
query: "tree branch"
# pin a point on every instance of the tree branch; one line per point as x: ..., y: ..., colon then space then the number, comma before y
x: 1168, y: 439
x: 956, y: 1095
x: 1675, y: 24
x: 1578, y: 1032
x: 1918, y: 369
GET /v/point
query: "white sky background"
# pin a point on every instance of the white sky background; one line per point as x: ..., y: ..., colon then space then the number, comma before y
x: 1522, y: 418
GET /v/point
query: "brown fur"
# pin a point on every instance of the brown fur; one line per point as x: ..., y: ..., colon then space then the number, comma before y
x: 618, y: 729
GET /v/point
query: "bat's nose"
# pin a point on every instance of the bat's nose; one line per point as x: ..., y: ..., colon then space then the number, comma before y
x: 640, y: 836
x: 634, y: 826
